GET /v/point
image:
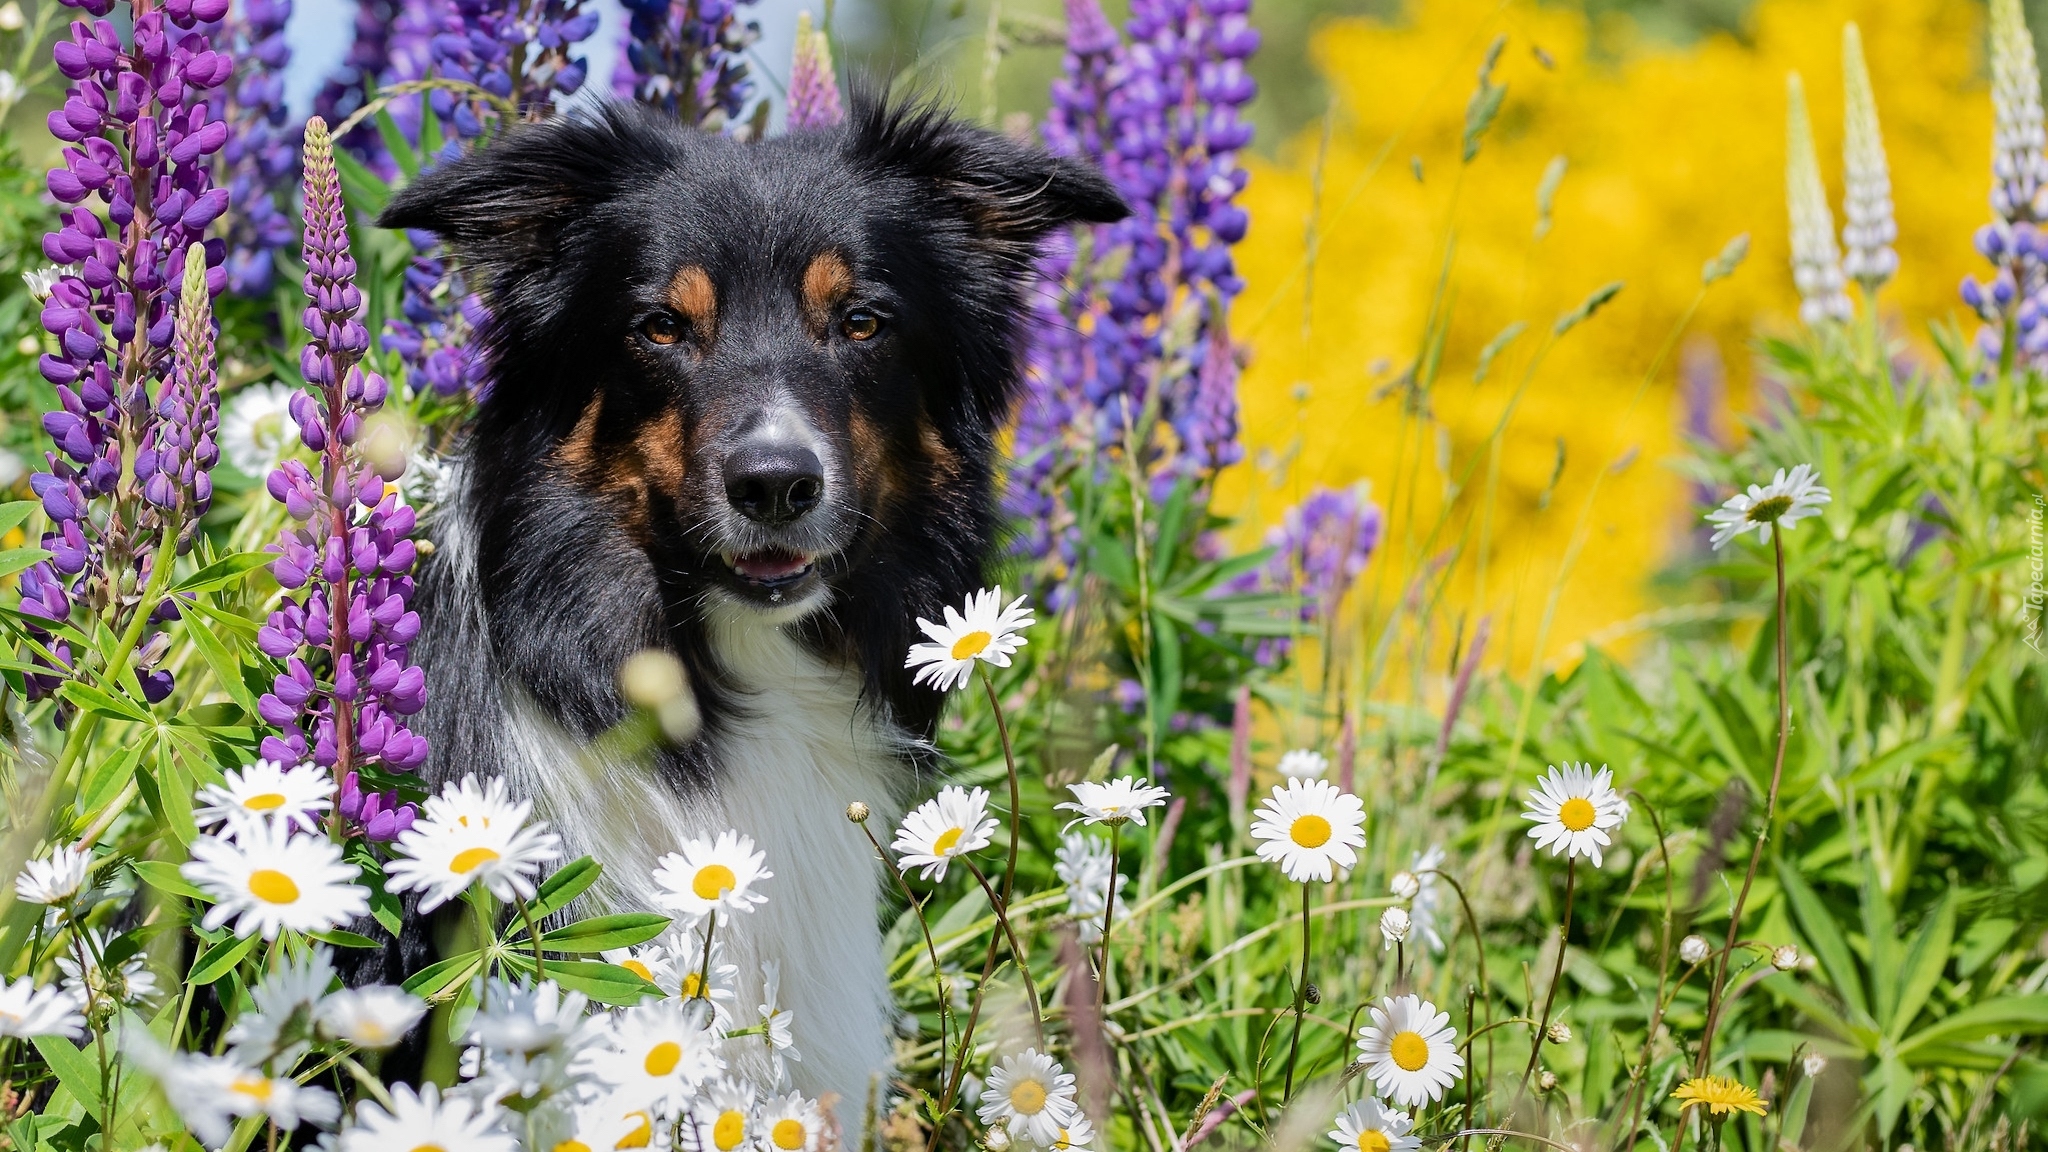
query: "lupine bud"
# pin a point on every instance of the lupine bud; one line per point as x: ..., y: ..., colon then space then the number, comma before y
x: 1816, y: 266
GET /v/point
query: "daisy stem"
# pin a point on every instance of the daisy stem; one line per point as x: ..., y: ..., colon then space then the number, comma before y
x: 1564, y: 931
x: 1300, y: 997
x: 1016, y: 950
x: 1715, y: 1001
x: 704, y: 970
x: 966, y: 1045
x: 1116, y: 831
x: 1016, y: 805
x: 532, y: 933
x: 931, y: 948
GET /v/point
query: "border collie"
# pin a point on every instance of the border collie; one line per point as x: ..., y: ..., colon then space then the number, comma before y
x: 745, y: 406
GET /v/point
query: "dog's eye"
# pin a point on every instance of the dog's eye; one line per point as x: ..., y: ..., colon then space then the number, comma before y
x: 662, y: 328
x: 860, y: 324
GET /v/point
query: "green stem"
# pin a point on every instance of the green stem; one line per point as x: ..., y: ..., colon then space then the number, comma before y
x: 931, y: 947
x: 1116, y: 831
x: 1016, y: 805
x: 1300, y: 997
x: 1564, y: 932
x: 533, y: 934
x: 1016, y: 950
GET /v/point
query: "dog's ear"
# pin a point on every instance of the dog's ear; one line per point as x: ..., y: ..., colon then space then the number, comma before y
x: 506, y: 208
x: 1009, y: 192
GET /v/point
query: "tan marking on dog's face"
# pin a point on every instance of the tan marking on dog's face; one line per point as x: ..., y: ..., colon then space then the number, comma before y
x: 691, y: 294
x: 627, y: 475
x: 828, y: 281
x: 875, y: 468
x: 578, y: 453
x: 945, y: 461
x: 663, y: 462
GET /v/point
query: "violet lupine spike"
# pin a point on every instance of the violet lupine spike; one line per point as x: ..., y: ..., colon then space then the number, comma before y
x: 2015, y: 301
x: 354, y: 83
x: 688, y: 58
x: 176, y: 456
x: 348, y: 683
x: 813, y: 88
x: 262, y: 161
x: 1320, y: 547
x: 139, y: 139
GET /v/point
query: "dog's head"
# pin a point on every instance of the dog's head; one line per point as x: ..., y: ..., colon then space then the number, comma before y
x: 759, y: 359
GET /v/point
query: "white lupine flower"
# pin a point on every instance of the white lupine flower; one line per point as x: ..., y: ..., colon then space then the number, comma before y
x: 1816, y: 265
x: 1868, y: 228
x: 2019, y: 172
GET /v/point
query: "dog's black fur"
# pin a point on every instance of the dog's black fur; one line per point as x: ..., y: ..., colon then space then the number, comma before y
x: 652, y: 291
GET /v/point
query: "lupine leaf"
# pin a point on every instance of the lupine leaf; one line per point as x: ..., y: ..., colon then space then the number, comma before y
x: 16, y: 559
x: 601, y: 933
x: 78, y: 1072
x: 165, y: 878
x: 221, y: 959
x: 568, y: 882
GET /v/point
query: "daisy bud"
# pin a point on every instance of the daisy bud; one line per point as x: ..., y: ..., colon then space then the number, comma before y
x: 1559, y: 1033
x: 1546, y: 1081
x: 1813, y: 1064
x: 857, y: 812
x: 1394, y: 925
x: 997, y: 1139
x: 1785, y: 957
x: 1693, y: 949
x: 1406, y: 885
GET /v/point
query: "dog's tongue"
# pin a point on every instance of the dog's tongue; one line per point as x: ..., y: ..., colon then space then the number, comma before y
x: 769, y: 566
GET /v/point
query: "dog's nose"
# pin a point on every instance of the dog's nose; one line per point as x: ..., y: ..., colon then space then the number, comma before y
x: 774, y: 484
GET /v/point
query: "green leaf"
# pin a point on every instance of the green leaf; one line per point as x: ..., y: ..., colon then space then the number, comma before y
x: 105, y: 780
x: 604, y: 983
x: 1824, y: 937
x: 601, y: 933
x: 569, y: 881
x: 16, y: 559
x: 342, y: 938
x: 222, y: 958
x: 226, y: 669
x: 1925, y: 959
x: 165, y: 878
x: 222, y: 572
x: 92, y: 699
x: 78, y: 1072
x: 399, y: 148
x: 433, y: 981
x: 14, y: 512
x: 365, y: 193
x: 2006, y: 1015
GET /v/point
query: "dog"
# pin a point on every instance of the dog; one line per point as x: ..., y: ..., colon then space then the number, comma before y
x: 745, y: 409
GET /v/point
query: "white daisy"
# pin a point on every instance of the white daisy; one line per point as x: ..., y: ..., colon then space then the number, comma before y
x: 1573, y: 808
x: 1078, y: 1134
x: 708, y: 875
x: 529, y: 1040
x: 27, y: 1011
x: 256, y: 428
x: 425, y: 1119
x: 267, y: 879
x: 1031, y: 1096
x: 54, y: 880
x: 792, y: 1124
x: 650, y: 962
x: 1370, y: 1126
x: 659, y: 1053
x: 1426, y: 896
x: 373, y: 1016
x: 953, y: 823
x: 779, y: 1022
x: 687, y: 980
x: 1789, y: 498
x: 1114, y: 802
x: 1083, y: 862
x: 1304, y: 764
x: 267, y: 790
x: 987, y: 631
x: 470, y: 834
x: 1410, y: 1050
x: 208, y: 1090
x: 281, y: 1016
x: 722, y: 1119
x: 93, y: 983
x: 1310, y: 829
x: 613, y: 1120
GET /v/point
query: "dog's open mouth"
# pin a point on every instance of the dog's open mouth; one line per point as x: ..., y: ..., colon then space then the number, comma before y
x: 771, y: 568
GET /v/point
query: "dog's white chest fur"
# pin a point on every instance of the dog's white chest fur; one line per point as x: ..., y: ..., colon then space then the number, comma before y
x: 803, y: 749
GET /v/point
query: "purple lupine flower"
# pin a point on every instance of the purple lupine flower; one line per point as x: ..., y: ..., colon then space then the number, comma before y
x: 1133, y: 316
x: 262, y: 162
x: 177, y: 453
x: 1319, y: 549
x: 2014, y: 302
x: 813, y: 89
x: 378, y: 24
x: 688, y: 58
x: 348, y: 684
x: 140, y: 140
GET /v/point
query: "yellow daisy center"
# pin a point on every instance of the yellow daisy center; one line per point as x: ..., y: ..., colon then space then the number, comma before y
x: 1310, y: 831
x: 256, y: 1087
x: 428, y: 1148
x: 273, y: 887
x: 729, y: 1130
x: 944, y: 844
x: 1063, y: 1143
x: 1373, y: 1140
x: 638, y: 969
x: 642, y: 1134
x: 663, y: 1058
x: 1769, y: 508
x: 1409, y: 1050
x: 264, y: 801
x: 787, y: 1134
x: 470, y: 859
x: 1028, y: 1097
x: 971, y: 645
x: 1576, y: 814
x: 571, y: 1146
x: 693, y: 986
x: 713, y: 881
